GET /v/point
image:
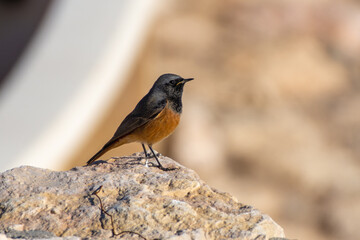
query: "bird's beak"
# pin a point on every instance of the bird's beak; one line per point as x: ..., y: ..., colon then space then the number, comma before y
x: 184, y: 81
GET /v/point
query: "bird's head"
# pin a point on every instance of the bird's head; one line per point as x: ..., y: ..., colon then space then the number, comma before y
x: 171, y: 84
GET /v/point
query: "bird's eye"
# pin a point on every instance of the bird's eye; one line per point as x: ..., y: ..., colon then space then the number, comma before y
x: 172, y: 82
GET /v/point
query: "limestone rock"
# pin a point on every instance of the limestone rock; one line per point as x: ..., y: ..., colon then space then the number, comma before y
x: 138, y: 202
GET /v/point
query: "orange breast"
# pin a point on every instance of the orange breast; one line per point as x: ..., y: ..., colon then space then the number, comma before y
x: 158, y: 128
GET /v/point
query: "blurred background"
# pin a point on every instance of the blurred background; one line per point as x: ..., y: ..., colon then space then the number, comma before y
x: 272, y: 116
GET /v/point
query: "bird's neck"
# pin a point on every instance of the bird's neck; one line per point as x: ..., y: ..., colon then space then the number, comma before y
x: 175, y: 104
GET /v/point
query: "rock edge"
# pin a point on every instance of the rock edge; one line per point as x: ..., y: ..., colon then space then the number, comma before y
x: 143, y: 202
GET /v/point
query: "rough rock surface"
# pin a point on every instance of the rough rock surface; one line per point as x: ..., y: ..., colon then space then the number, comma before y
x: 144, y: 203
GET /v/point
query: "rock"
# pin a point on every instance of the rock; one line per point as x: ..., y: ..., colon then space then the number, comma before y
x: 137, y: 202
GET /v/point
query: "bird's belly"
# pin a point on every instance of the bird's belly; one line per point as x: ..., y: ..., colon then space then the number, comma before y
x: 158, y: 128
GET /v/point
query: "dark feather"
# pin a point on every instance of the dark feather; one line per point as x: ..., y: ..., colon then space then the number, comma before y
x: 144, y: 111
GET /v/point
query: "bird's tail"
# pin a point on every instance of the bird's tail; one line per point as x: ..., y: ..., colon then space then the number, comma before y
x: 113, y: 143
x: 97, y: 155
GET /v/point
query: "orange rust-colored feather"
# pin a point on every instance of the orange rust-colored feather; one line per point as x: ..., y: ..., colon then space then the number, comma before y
x: 158, y: 128
x: 155, y: 130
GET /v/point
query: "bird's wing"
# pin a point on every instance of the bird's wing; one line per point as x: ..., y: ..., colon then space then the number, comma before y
x: 147, y: 109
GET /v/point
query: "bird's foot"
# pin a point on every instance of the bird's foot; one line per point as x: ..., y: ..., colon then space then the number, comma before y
x: 165, y: 169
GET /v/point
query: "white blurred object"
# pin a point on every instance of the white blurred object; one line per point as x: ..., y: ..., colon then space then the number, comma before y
x: 70, y: 73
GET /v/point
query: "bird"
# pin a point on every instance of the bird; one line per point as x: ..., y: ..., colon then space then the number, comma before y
x: 154, y: 118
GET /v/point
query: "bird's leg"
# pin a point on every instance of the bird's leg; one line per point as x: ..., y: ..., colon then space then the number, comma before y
x: 145, y: 152
x: 146, y: 155
x: 160, y: 166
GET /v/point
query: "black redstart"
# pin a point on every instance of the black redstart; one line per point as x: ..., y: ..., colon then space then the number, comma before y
x: 154, y: 118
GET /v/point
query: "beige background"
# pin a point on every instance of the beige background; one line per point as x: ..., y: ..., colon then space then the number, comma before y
x: 273, y: 114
